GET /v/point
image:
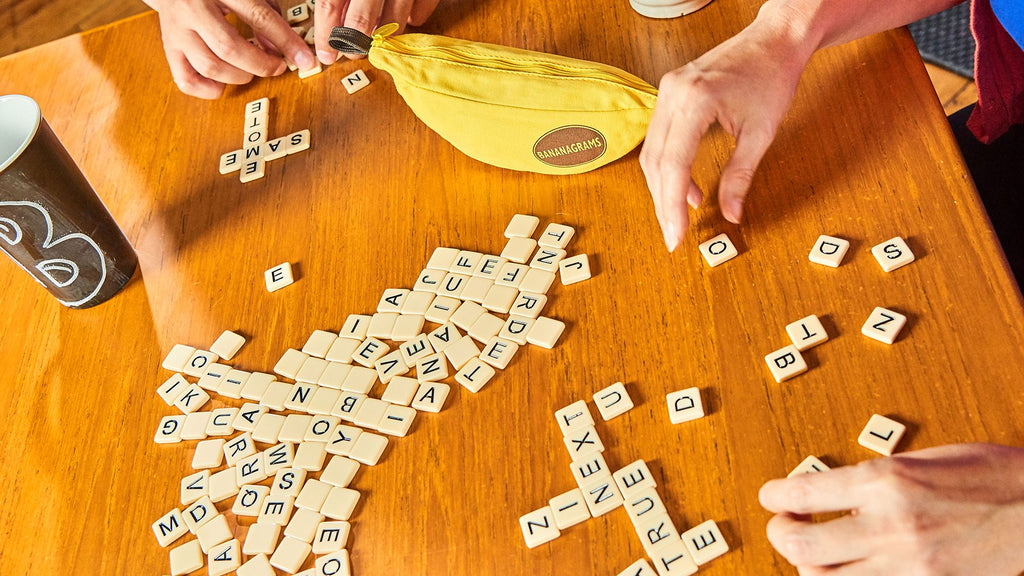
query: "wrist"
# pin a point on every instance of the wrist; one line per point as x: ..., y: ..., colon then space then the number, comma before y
x: 795, y: 27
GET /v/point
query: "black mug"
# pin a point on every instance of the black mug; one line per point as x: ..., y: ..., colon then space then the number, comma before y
x: 52, y: 223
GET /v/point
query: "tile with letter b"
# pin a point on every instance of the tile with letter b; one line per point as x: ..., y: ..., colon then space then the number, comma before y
x: 705, y: 542
x: 893, y: 254
x: 718, y: 250
x: 613, y: 401
x: 539, y: 527
x: 881, y: 434
x: 884, y: 325
x: 297, y: 13
x: 829, y: 251
x: 807, y: 332
x: 786, y: 363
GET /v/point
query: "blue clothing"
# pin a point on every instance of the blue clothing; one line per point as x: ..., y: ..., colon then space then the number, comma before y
x: 1011, y: 15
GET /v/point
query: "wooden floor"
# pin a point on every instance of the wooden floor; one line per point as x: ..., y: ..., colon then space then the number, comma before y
x: 28, y: 23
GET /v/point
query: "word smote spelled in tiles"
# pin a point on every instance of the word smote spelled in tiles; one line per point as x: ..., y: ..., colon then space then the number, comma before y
x: 250, y: 161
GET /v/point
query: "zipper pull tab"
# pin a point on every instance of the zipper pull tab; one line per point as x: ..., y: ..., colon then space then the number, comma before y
x: 350, y: 41
x: 385, y: 31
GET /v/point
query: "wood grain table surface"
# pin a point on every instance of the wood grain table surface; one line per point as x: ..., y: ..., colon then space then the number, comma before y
x: 864, y: 154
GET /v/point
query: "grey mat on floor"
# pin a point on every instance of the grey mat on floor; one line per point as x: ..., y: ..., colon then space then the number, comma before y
x: 945, y: 39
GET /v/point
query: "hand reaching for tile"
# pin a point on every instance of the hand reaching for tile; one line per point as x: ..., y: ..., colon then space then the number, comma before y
x: 364, y: 15
x: 955, y: 509
x: 205, y: 52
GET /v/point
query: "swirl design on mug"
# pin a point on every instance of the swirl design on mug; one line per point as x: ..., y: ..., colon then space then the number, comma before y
x: 71, y: 262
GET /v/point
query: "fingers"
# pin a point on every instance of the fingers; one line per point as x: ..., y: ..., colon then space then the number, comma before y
x: 751, y: 144
x: 839, y: 541
x: 363, y: 15
x: 422, y: 10
x: 267, y: 22
x: 396, y: 11
x: 189, y: 81
x: 829, y: 491
x: 328, y: 14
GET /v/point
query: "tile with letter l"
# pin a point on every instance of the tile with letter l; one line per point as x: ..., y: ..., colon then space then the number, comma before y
x: 881, y: 434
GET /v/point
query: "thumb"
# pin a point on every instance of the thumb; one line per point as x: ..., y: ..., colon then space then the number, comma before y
x: 751, y: 144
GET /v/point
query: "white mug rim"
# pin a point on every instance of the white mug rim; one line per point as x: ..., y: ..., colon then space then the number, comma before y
x: 33, y: 107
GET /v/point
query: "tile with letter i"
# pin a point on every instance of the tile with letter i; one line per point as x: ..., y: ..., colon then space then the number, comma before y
x: 718, y: 250
x: 786, y: 363
x: 705, y: 542
x: 810, y: 465
x: 355, y: 81
x: 893, y: 254
x: 539, y: 527
x: 829, y: 251
x: 569, y: 509
x: 884, y: 325
x: 612, y: 401
x: 881, y: 434
x: 807, y: 332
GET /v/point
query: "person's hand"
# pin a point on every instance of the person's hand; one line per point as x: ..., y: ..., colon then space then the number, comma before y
x: 746, y: 84
x: 365, y: 16
x: 205, y: 52
x: 949, y: 510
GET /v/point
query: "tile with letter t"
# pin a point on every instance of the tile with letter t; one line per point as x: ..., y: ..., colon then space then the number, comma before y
x: 539, y: 527
x: 474, y: 375
x: 829, y: 251
x: 884, y: 325
x: 807, y: 332
x: 673, y: 559
x: 881, y: 434
x: 573, y: 416
x: 718, y: 250
x: 355, y: 81
x: 556, y: 236
x: 786, y: 363
x: 684, y: 405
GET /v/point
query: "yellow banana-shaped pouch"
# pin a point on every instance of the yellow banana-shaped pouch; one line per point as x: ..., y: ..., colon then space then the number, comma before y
x: 512, y: 108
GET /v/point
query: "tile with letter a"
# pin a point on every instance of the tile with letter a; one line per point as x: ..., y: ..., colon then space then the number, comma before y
x: 169, y: 528
x: 881, y: 434
x: 638, y: 568
x: 829, y: 251
x: 807, y: 332
x: 613, y: 401
x: 705, y: 542
x: 539, y: 527
x: 430, y: 396
x: 684, y: 405
x: 356, y: 81
x: 884, y: 325
x: 392, y: 300
x: 443, y: 337
x: 786, y: 363
x: 569, y: 509
x: 521, y: 226
x: 574, y: 269
x: 810, y: 465
x: 893, y: 254
x: 718, y: 250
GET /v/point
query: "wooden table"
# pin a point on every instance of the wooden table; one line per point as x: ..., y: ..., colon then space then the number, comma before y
x: 864, y: 154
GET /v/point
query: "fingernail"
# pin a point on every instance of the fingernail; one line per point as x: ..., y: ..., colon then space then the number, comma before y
x: 736, y: 210
x: 304, y: 60
x: 670, y: 236
x: 325, y: 57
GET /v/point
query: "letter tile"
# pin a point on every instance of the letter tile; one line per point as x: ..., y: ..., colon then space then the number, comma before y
x: 407, y: 327
x: 489, y: 267
x: 590, y: 469
x: 276, y: 510
x: 290, y: 363
x: 613, y: 401
x: 829, y: 251
x: 574, y: 269
x: 297, y: 13
x: 355, y: 327
x: 441, y: 309
x: 276, y: 395
x: 186, y: 558
x: 256, y: 385
x: 539, y: 527
x: 430, y: 396
x: 673, y: 559
x: 193, y: 399
x: 401, y: 391
x: 227, y: 345
x: 368, y: 448
x: 230, y: 161
x: 342, y: 439
x: 359, y: 380
x: 279, y: 276
x: 267, y: 428
x: 634, y: 478
x: 392, y: 300
x: 312, y: 495
x: 370, y: 413
x: 303, y: 525
x: 500, y: 298
x: 511, y: 274
x: 169, y: 430
x: 516, y: 329
x: 453, y: 285
x: 429, y: 280
x: 718, y: 250
x: 177, y: 358
x: 528, y: 305
x: 536, y: 281
x: 684, y: 405
x: 786, y: 363
x: 601, y: 495
x: 476, y: 289
x: 194, y: 427
x: 247, y: 471
x: 474, y: 375
x: 212, y: 376
x: 309, y: 456
x: 220, y: 422
x: 519, y: 250
x: 382, y: 324
x: 318, y: 343
x: 574, y: 416
x: 884, y: 325
x: 320, y: 429
x: 342, y: 350
x: 237, y: 448
x: 216, y: 531
x: 331, y: 536
x: 442, y: 259
x: 348, y: 406
x: 249, y: 501
x: 809, y: 465
x: 443, y: 337
x: 169, y: 528
x: 248, y: 415
x: 643, y: 505
x: 390, y: 365
x: 254, y: 170
x: 397, y: 420
x: 556, y: 236
x: 417, y: 304
x: 459, y: 353
x: 583, y: 443
x: 300, y: 397
x: 521, y: 226
x: 881, y: 434
x: 208, y: 454
x: 656, y: 531
x: 545, y: 332
x: 233, y: 383
x: 316, y: 69
x: 335, y: 373
x: 287, y: 482
x: 355, y: 81
x: 290, y: 555
x: 294, y: 428
x: 279, y: 457
x: 485, y: 327
x: 893, y: 254
x: 638, y: 568
x: 369, y: 352
x: 807, y: 333
x: 172, y: 389
x: 261, y: 539
x: 340, y: 503
x: 569, y: 509
x: 547, y: 259
x: 415, y: 348
x: 339, y: 471
x: 333, y: 564
x: 464, y: 263
x: 198, y: 513
x: 705, y: 542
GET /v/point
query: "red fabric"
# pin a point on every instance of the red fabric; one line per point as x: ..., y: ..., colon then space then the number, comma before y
x: 999, y: 75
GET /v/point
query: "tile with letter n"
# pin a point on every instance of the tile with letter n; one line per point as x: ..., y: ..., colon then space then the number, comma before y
x: 884, y: 325
x: 355, y: 81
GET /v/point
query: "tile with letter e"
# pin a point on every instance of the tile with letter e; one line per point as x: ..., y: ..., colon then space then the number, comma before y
x: 613, y: 401
x: 829, y: 251
x: 331, y: 536
x: 539, y: 527
x: 881, y: 434
x: 884, y: 325
x: 718, y: 250
x: 786, y: 363
x: 278, y: 277
x: 893, y: 254
x: 705, y: 542
x: 498, y: 352
x: 633, y: 478
x: 807, y: 332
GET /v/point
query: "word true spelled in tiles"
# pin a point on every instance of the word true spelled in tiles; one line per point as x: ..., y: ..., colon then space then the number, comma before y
x: 250, y: 161
x: 287, y: 458
x: 632, y: 487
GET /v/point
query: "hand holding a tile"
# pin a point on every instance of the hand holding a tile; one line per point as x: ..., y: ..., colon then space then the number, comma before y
x: 955, y: 509
x: 365, y: 16
x: 205, y: 52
